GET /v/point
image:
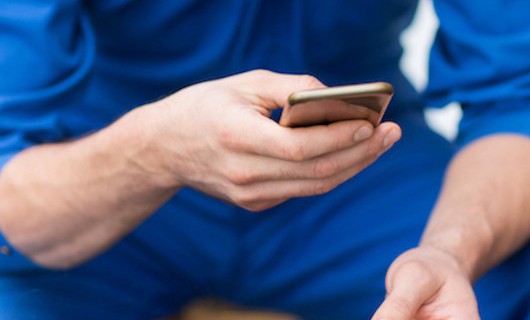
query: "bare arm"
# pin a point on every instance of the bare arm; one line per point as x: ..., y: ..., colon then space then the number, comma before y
x: 483, y: 213
x: 482, y: 216
x: 64, y: 202
x: 61, y: 204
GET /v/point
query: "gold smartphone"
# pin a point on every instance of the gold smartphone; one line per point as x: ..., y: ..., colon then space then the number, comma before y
x: 366, y: 101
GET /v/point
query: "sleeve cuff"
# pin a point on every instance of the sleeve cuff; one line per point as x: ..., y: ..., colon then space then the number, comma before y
x: 505, y: 117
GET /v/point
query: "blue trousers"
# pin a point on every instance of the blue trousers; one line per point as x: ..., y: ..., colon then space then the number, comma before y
x: 322, y: 257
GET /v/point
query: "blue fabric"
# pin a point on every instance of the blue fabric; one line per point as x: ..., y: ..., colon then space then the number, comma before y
x: 480, y: 59
x: 69, y: 67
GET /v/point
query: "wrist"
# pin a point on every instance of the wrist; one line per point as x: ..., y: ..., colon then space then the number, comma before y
x: 468, y: 246
x: 449, y: 259
x: 433, y: 260
x: 141, y: 148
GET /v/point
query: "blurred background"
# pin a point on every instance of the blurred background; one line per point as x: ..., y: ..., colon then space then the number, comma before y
x: 417, y: 41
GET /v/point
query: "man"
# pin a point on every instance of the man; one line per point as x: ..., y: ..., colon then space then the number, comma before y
x: 122, y: 219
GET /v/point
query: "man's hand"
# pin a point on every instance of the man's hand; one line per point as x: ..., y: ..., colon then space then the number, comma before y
x: 427, y: 284
x: 480, y: 219
x: 217, y: 137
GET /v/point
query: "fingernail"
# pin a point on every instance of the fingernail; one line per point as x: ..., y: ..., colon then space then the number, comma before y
x: 363, y: 133
x: 390, y: 138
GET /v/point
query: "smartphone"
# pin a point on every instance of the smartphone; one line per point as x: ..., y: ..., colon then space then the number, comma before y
x: 367, y: 101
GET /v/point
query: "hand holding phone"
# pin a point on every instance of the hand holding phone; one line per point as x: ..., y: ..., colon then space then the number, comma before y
x: 323, y: 106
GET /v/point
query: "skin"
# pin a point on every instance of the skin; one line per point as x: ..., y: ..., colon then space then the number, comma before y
x: 215, y: 137
x: 481, y: 217
x: 231, y: 150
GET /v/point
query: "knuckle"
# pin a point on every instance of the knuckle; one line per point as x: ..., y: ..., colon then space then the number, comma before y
x: 260, y: 73
x: 228, y: 138
x: 370, y: 156
x: 401, y: 306
x: 245, y: 199
x: 256, y: 206
x: 325, y: 168
x: 292, y: 151
x: 239, y: 176
x: 372, y: 151
x: 310, y: 81
x: 297, y: 153
x: 323, y: 186
x: 366, y: 162
x: 240, y: 198
x: 341, y: 141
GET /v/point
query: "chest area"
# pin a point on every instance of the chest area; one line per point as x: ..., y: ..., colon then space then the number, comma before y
x: 186, y: 25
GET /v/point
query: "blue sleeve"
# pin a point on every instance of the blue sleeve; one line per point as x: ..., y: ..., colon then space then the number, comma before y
x: 481, y: 59
x: 46, y: 53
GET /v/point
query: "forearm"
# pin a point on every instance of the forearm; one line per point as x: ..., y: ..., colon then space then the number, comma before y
x: 78, y: 198
x: 63, y: 203
x: 483, y: 213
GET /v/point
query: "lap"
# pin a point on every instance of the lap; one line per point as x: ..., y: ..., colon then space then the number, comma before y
x: 320, y: 257
x: 326, y: 257
x: 169, y: 260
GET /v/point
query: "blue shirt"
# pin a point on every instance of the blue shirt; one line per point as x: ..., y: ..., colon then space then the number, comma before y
x: 70, y: 67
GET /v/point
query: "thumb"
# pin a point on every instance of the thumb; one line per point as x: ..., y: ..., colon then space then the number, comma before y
x: 409, y: 287
x: 271, y: 88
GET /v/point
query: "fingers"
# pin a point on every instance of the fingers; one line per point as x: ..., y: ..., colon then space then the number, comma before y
x: 268, y: 193
x: 272, y: 89
x: 253, y: 168
x: 409, y: 287
x: 297, y: 144
x: 267, y: 138
x: 258, y: 183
